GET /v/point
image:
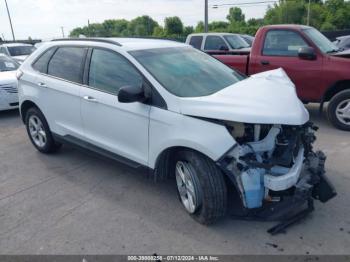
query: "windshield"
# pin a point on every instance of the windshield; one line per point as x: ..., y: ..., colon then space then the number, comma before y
x: 236, y: 42
x: 186, y: 72
x: 20, y: 50
x: 7, y: 64
x: 321, y: 41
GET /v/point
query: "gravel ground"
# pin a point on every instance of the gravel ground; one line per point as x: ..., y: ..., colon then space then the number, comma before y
x: 75, y: 203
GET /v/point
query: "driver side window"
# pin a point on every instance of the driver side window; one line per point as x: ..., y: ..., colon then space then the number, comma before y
x: 214, y: 43
x: 283, y: 43
x: 110, y: 71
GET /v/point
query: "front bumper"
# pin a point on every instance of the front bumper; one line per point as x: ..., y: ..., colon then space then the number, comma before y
x: 8, y: 97
x: 298, y: 203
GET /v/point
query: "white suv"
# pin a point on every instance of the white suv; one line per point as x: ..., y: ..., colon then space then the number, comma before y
x: 180, y: 113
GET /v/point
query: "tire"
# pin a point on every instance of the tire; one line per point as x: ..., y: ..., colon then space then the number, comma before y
x: 339, y: 110
x: 208, y: 185
x: 47, y: 145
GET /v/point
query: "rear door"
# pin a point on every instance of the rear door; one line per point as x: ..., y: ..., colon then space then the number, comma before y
x: 116, y: 127
x: 280, y: 49
x: 59, y: 87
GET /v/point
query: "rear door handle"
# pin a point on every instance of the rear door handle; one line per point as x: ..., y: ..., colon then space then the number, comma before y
x: 90, y: 99
x: 264, y: 62
x: 41, y: 84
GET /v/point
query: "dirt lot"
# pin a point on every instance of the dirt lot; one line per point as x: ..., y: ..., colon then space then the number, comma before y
x: 74, y: 203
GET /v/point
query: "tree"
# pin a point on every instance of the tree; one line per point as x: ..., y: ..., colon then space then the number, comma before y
x: 142, y: 26
x: 173, y: 26
x: 199, y: 27
x: 235, y: 15
x: 218, y: 26
x: 188, y: 30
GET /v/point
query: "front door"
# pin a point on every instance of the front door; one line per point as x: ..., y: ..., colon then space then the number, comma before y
x: 116, y: 127
x: 280, y: 50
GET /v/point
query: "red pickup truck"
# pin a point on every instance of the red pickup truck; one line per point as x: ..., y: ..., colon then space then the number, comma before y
x: 319, y: 70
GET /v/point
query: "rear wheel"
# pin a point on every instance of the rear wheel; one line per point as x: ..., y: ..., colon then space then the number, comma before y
x: 39, y: 132
x: 339, y: 110
x: 201, y: 186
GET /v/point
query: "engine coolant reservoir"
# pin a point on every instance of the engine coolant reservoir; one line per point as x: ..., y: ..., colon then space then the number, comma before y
x: 253, y: 184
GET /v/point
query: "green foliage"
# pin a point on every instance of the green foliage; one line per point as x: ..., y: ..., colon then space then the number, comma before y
x: 324, y: 15
x: 173, y: 26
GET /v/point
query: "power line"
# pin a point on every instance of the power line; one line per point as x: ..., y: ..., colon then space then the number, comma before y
x: 248, y: 3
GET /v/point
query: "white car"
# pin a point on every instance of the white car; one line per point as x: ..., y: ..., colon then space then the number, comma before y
x: 219, y: 43
x: 179, y: 113
x: 18, y: 51
x: 8, y: 83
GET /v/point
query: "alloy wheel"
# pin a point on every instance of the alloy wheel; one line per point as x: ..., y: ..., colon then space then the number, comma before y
x: 343, y: 112
x: 186, y: 186
x: 37, y: 132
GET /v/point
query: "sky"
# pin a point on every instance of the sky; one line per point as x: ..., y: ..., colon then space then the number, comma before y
x: 43, y: 19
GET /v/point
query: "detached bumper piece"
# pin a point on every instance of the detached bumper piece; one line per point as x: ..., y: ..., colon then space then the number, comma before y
x: 295, y: 206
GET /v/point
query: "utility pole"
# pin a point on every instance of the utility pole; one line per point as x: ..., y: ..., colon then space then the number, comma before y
x: 8, y: 13
x: 88, y: 28
x: 62, y: 29
x: 206, y: 17
x: 308, y: 13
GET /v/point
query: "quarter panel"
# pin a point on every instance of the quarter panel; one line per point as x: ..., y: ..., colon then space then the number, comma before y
x: 169, y: 129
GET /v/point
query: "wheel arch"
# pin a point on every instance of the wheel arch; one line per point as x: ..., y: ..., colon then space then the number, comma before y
x: 162, y: 165
x: 334, y: 89
x: 25, y: 106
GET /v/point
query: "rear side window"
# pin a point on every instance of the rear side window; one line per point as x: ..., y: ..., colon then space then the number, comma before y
x: 41, y: 64
x: 214, y: 43
x: 283, y: 43
x: 67, y: 63
x: 110, y: 71
x: 196, y: 41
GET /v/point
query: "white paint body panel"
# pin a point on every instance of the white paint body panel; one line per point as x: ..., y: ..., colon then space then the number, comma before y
x: 8, y: 86
x: 140, y: 132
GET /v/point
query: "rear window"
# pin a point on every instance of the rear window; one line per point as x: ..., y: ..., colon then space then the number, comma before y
x: 196, y: 41
x: 20, y: 50
x: 7, y: 64
x: 41, y: 64
x: 67, y: 63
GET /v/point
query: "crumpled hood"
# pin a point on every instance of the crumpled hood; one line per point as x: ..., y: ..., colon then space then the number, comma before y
x: 265, y: 98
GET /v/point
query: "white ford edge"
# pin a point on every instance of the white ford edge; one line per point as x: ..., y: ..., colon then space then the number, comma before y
x: 232, y: 144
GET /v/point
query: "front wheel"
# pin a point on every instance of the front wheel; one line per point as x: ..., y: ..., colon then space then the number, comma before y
x: 339, y: 110
x: 201, y: 186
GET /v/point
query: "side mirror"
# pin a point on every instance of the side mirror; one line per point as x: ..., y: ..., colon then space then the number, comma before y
x: 131, y: 94
x: 307, y: 53
x: 223, y: 48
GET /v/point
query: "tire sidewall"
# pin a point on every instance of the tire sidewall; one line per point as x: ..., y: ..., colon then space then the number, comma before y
x: 332, y: 107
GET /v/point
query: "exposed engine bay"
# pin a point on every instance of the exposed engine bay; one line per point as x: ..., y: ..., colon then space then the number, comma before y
x: 273, y: 164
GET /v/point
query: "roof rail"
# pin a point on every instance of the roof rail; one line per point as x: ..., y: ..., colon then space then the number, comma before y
x: 102, y: 40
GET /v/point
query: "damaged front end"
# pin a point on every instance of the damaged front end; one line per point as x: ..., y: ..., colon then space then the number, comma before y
x: 275, y: 172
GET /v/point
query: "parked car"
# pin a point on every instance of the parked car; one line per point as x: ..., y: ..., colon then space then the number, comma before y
x: 8, y: 83
x: 218, y: 43
x: 17, y: 51
x: 316, y: 66
x: 249, y: 39
x: 343, y: 42
x: 179, y: 113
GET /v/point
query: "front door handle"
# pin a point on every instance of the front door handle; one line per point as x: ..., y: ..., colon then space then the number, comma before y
x: 90, y: 99
x: 265, y: 62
